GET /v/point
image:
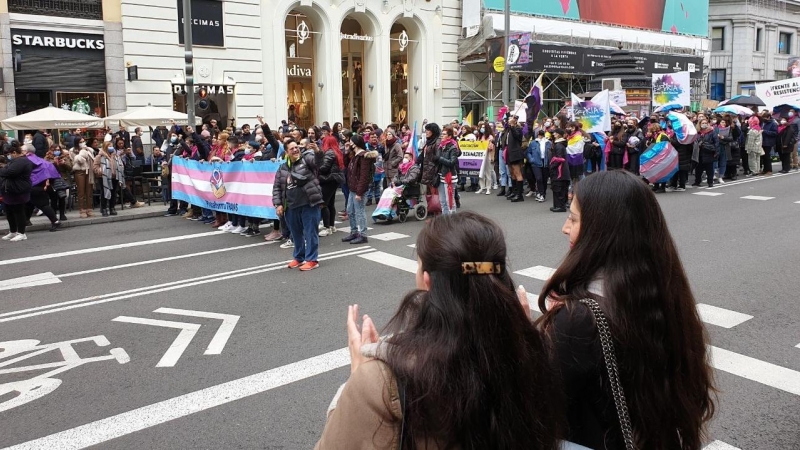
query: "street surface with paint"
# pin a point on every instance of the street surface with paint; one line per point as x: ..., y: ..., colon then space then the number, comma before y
x: 161, y: 334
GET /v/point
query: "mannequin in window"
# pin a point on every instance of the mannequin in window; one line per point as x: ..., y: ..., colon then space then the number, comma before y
x: 357, y: 77
x: 292, y: 116
x: 401, y: 115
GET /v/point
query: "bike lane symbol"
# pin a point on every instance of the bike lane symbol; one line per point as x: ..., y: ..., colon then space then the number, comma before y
x: 13, y: 352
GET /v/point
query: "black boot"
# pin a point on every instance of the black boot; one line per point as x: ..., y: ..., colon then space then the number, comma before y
x: 104, y: 212
x: 502, y: 191
x: 511, y: 190
x: 112, y: 211
x: 520, y: 197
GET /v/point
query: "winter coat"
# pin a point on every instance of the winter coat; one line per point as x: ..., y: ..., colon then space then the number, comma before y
x: 82, y: 161
x: 534, y: 153
x: 512, y: 138
x: 619, y: 146
x: 787, y: 140
x: 303, y: 173
x: 428, y: 159
x: 17, y: 177
x: 359, y: 171
x: 392, y: 159
x: 448, y: 158
x: 559, y: 169
x: 754, y: 143
x: 733, y: 150
x: 684, y: 154
x: 328, y: 167
x: 63, y: 164
x: 411, y: 177
x: 769, y: 134
x: 708, y: 144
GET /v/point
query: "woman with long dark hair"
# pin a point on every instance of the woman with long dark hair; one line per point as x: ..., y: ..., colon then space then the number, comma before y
x: 462, y: 366
x: 623, y: 259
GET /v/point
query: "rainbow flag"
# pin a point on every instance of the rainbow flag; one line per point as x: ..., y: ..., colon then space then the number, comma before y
x: 238, y: 187
x: 415, y: 141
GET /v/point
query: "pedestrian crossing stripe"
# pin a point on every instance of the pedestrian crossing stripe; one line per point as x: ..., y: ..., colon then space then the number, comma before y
x: 719, y: 445
x: 389, y: 236
x: 708, y: 194
x: 757, y: 197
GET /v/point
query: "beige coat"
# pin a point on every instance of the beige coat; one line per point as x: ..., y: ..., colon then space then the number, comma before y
x: 83, y: 161
x: 366, y: 413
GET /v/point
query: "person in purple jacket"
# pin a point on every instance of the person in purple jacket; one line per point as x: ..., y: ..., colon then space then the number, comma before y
x: 44, y: 172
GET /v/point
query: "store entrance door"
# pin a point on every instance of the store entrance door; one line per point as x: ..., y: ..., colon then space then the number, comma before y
x: 28, y: 101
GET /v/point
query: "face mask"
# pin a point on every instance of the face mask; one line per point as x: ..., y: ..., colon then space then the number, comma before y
x: 704, y: 126
x: 548, y: 124
x: 247, y: 151
x: 714, y: 122
x: 83, y: 144
x: 112, y: 150
x: 483, y: 130
x: 783, y: 122
x: 9, y: 157
x: 57, y: 153
x: 173, y: 139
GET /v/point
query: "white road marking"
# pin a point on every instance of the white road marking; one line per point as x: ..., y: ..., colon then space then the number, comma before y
x: 708, y: 194
x: 415, y: 245
x: 223, y: 333
x: 721, y: 317
x: 159, y: 260
x: 398, y: 262
x: 347, y: 229
x: 132, y: 293
x: 40, y: 279
x: 541, y: 273
x: 179, y: 345
x: 756, y: 197
x: 719, y: 445
x: 113, y: 427
x: 389, y: 236
x: 755, y: 370
x: 751, y: 180
x: 84, y: 251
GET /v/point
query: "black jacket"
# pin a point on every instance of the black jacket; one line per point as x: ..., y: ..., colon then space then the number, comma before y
x: 15, y: 178
x: 328, y: 168
x: 512, y: 137
x: 304, y: 174
x: 448, y: 159
x: 684, y: 154
x: 787, y: 140
x: 709, y: 146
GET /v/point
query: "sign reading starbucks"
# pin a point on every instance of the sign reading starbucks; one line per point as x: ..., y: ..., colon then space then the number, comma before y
x: 207, y: 23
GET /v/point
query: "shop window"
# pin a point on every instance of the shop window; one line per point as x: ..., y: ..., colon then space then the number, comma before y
x: 718, y: 39
x: 399, y: 44
x: 717, y: 91
x: 91, y: 103
x: 352, y: 71
x: 84, y: 9
x: 785, y: 43
x: 299, y: 70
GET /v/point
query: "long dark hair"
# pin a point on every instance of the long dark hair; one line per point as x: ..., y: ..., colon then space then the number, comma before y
x: 660, y: 341
x: 474, y: 368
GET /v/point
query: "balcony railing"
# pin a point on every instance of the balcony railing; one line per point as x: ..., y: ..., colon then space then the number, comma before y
x: 77, y: 9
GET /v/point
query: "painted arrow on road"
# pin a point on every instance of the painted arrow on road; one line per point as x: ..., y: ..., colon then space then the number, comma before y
x: 188, y: 331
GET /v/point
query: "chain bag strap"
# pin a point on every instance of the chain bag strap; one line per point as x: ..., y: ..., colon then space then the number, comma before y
x: 613, y: 372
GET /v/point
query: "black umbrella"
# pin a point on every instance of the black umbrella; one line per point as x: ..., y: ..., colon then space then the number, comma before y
x: 746, y: 100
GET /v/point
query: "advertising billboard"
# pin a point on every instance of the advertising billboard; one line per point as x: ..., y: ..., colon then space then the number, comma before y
x: 671, y: 16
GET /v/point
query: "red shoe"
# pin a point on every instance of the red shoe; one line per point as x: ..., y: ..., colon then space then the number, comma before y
x: 295, y: 264
x: 310, y: 265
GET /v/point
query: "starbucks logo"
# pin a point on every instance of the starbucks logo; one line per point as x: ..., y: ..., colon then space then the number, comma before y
x: 81, y: 106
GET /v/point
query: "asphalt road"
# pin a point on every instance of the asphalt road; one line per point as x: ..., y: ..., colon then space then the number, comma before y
x: 260, y: 370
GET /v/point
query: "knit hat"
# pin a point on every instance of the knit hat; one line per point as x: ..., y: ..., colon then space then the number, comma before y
x: 205, y: 134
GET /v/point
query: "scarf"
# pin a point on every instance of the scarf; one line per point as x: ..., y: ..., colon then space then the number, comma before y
x: 705, y: 131
x: 444, y: 142
x: 405, y: 165
x: 390, y: 142
x: 106, y: 169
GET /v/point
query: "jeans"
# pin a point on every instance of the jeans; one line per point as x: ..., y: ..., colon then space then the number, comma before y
x: 375, y: 190
x: 446, y: 198
x: 721, y: 164
x: 504, y: 178
x: 303, y: 222
x: 207, y: 213
x: 356, y: 212
x: 329, y: 197
x: 84, y: 186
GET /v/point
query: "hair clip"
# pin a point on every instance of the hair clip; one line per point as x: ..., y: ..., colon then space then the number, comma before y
x: 481, y: 268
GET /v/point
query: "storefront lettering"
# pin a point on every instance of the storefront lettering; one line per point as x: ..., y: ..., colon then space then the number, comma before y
x: 211, y: 89
x: 355, y: 37
x: 58, y: 42
x: 203, y: 22
x: 298, y: 71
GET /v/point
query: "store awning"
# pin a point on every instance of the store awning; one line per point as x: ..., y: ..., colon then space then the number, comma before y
x: 51, y: 118
x: 149, y: 116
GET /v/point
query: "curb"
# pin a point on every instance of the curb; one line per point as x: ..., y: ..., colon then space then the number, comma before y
x: 89, y: 221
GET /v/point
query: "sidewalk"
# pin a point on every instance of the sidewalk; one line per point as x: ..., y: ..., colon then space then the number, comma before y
x: 41, y: 223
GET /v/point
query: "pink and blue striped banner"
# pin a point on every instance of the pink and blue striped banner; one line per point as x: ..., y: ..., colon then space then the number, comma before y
x: 238, y: 187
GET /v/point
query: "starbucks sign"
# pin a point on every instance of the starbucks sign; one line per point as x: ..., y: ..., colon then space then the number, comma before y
x: 81, y: 106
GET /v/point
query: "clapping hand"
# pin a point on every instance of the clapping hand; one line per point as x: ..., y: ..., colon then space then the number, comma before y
x: 522, y: 296
x: 359, y: 336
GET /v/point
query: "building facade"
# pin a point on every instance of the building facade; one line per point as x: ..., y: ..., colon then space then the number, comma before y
x: 68, y: 54
x: 752, y: 41
x: 331, y: 60
x: 569, y: 42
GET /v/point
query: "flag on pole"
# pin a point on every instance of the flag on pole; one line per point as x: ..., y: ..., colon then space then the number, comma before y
x: 535, y: 100
x: 414, y: 141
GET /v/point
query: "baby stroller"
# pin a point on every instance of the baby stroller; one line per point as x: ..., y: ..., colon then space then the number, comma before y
x: 396, y: 202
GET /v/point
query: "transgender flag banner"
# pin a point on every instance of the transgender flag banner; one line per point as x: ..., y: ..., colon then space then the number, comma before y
x: 659, y: 162
x: 238, y: 187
